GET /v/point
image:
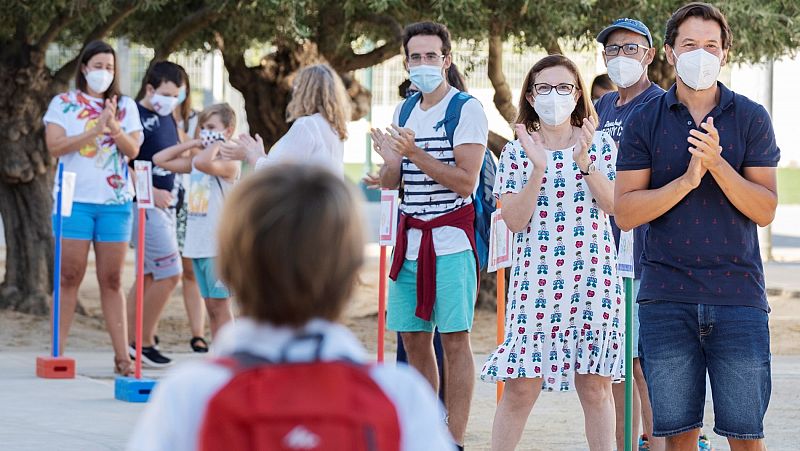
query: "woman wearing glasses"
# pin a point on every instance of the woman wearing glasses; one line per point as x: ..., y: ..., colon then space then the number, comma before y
x: 565, y: 317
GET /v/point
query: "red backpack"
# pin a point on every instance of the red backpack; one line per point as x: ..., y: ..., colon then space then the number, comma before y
x: 299, y: 406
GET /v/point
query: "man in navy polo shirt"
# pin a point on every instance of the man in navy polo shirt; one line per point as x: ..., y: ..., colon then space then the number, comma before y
x: 628, y: 51
x: 698, y: 165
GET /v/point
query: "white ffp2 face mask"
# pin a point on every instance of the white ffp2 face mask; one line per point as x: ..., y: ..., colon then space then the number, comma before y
x: 553, y: 109
x: 698, y: 69
x: 624, y: 71
x: 99, y: 80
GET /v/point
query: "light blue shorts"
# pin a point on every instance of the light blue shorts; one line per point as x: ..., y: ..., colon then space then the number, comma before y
x: 211, y: 287
x: 456, y: 292
x: 98, y: 222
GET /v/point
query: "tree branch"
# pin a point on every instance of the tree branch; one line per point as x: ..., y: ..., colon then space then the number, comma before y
x: 351, y: 61
x: 61, y: 21
x: 179, y: 33
x: 101, y: 31
x: 502, y: 92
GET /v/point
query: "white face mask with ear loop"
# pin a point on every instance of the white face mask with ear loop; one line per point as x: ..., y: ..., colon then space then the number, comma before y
x: 99, y: 80
x: 553, y: 108
x: 698, y: 69
x: 624, y: 71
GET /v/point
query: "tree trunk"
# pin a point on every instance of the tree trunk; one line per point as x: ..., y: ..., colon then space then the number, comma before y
x: 25, y: 179
x: 267, y: 88
x: 502, y: 92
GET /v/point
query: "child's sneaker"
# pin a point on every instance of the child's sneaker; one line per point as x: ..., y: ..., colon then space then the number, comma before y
x: 704, y: 444
x: 151, y: 357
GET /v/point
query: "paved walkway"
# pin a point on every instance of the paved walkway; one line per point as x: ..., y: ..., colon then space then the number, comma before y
x: 81, y: 414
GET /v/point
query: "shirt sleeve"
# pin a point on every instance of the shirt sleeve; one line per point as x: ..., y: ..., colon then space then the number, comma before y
x: 634, y: 151
x: 762, y: 149
x: 296, y: 145
x: 129, y: 116
x: 55, y: 112
x: 419, y: 412
x: 509, y: 177
x: 473, y: 127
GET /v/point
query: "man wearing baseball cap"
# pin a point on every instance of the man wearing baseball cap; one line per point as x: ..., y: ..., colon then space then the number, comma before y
x: 627, y: 51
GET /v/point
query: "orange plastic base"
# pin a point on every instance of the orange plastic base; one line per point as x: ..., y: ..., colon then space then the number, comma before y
x: 55, y: 367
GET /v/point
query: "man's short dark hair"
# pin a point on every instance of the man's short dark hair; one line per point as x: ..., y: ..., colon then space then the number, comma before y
x: 704, y: 11
x: 162, y: 72
x: 427, y: 29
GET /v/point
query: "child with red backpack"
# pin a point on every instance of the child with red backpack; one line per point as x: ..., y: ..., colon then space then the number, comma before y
x: 287, y: 376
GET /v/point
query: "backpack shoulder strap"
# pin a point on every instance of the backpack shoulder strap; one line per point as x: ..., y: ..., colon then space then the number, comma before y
x: 407, y: 108
x: 452, y: 115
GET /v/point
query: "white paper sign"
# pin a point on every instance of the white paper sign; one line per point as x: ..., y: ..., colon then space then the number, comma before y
x: 500, y: 238
x: 144, y: 183
x: 389, y: 209
x: 67, y: 194
x: 625, y: 266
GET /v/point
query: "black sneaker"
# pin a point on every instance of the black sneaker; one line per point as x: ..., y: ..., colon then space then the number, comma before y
x: 151, y: 357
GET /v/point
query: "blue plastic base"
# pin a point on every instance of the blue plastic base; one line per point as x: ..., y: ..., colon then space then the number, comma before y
x: 130, y: 389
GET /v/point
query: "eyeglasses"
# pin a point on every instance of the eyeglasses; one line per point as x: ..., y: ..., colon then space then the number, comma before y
x: 563, y: 89
x: 428, y: 58
x: 628, y: 49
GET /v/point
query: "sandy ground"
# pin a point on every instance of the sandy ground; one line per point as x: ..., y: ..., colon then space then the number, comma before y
x: 26, y: 332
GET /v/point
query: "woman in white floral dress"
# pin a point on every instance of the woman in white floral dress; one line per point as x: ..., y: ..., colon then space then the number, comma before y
x: 565, y: 318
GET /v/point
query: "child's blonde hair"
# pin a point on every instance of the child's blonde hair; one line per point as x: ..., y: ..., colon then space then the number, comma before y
x: 318, y: 89
x: 226, y: 115
x: 291, y: 244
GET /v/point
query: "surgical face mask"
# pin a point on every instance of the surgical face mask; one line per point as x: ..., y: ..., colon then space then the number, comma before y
x: 698, y: 69
x: 99, y: 80
x: 163, y: 105
x: 553, y: 109
x: 426, y: 78
x: 182, y: 95
x: 625, y: 72
x: 209, y: 137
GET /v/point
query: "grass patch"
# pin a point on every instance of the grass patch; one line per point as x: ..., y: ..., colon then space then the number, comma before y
x: 789, y: 186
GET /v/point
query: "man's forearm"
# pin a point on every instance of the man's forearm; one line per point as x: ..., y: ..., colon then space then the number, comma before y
x: 390, y: 175
x: 752, y: 199
x: 635, y: 208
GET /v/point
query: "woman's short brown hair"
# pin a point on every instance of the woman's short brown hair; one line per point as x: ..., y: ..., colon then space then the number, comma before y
x: 528, y: 116
x: 291, y: 244
x: 704, y: 11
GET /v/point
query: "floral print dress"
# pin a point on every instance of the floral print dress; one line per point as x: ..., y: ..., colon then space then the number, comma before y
x: 565, y: 310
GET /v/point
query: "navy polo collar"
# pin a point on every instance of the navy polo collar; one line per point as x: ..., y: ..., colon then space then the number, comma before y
x: 725, y: 97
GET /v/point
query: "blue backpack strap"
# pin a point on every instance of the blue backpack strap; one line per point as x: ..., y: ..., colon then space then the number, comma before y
x: 407, y: 108
x: 453, y: 115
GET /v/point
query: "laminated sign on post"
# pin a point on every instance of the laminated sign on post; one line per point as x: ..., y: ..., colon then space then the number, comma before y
x: 499, y: 243
x: 144, y: 183
x: 625, y: 255
x: 388, y: 228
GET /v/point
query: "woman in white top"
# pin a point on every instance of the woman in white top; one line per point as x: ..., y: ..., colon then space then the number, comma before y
x: 95, y: 131
x: 271, y: 223
x: 320, y: 109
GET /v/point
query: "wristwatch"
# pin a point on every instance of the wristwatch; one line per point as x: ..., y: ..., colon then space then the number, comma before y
x: 592, y: 168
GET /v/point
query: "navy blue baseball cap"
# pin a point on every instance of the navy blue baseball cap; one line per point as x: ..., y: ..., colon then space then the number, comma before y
x: 625, y: 24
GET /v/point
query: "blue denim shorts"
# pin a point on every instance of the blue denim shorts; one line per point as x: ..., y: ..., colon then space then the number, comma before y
x: 682, y: 342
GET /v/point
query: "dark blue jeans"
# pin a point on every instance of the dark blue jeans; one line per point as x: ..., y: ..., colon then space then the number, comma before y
x: 682, y: 342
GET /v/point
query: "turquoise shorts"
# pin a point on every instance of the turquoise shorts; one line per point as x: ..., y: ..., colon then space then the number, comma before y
x: 456, y: 292
x: 211, y: 287
x: 98, y: 222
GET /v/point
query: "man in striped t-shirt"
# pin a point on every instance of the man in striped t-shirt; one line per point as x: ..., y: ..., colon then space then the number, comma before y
x: 434, y: 272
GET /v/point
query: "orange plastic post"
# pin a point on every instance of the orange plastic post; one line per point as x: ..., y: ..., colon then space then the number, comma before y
x: 501, y: 313
x: 139, y: 293
x: 382, y: 304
